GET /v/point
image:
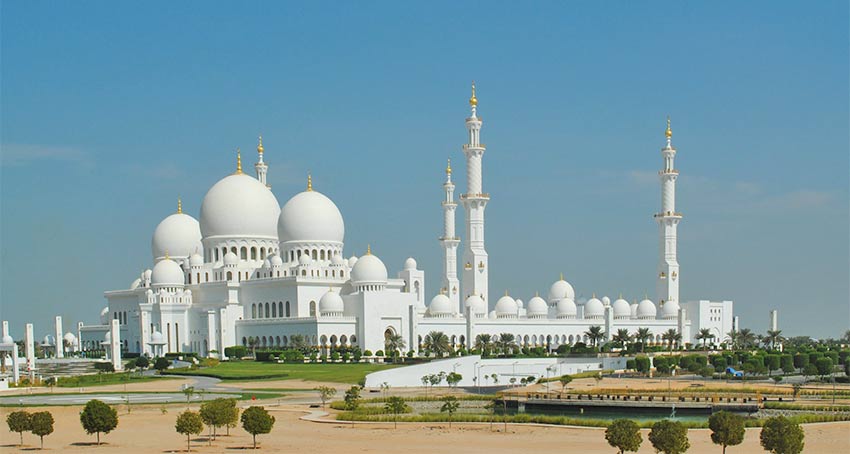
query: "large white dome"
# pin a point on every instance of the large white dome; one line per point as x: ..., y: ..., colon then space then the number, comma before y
x: 310, y: 216
x: 561, y: 289
x: 594, y: 308
x: 331, y: 303
x: 178, y: 235
x: 670, y: 310
x: 537, y: 307
x: 369, y: 269
x: 646, y: 309
x: 239, y: 206
x: 167, y: 273
x: 478, y: 305
x: 567, y: 308
x: 506, y: 307
x: 440, y: 305
x: 621, y: 308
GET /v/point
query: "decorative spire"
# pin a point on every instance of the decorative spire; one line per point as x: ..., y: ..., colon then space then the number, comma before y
x: 309, y: 182
x: 537, y: 294
x: 368, y: 249
x: 506, y: 290
x: 260, y: 145
x: 562, y: 276
x: 179, y: 206
x: 669, y: 132
x: 167, y: 257
x: 449, y: 167
x: 238, y: 162
x: 473, y: 101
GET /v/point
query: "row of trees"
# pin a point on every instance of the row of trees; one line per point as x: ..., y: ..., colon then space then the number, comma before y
x: 39, y: 423
x: 779, y: 435
x: 255, y: 420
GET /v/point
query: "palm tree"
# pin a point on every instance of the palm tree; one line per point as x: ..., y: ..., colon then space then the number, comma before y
x: 671, y: 336
x: 506, y: 343
x: 734, y: 338
x: 594, y: 335
x: 299, y: 342
x: 437, y: 343
x: 746, y: 338
x: 253, y: 341
x: 642, y: 335
x: 846, y: 337
x: 705, y: 335
x: 773, y: 337
x: 483, y: 343
x: 622, y: 337
x: 394, y: 344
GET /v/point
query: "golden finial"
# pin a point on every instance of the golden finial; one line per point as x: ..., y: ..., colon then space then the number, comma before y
x: 238, y: 162
x: 179, y: 206
x: 260, y: 145
x: 669, y: 132
x: 506, y: 290
x: 309, y: 182
x: 562, y: 276
x: 449, y: 167
x: 368, y: 249
x: 594, y: 295
x: 621, y: 295
x: 537, y: 294
x: 473, y: 101
x: 167, y: 257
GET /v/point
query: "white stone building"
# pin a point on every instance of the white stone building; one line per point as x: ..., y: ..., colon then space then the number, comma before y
x: 251, y: 268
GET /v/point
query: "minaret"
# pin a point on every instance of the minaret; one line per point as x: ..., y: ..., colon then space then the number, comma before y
x: 668, y: 221
x: 475, y: 267
x: 261, y: 166
x: 450, y: 241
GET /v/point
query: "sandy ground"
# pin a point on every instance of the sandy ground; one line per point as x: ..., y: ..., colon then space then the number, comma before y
x: 148, y: 430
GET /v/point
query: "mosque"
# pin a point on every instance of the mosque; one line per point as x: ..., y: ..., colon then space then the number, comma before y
x: 249, y: 268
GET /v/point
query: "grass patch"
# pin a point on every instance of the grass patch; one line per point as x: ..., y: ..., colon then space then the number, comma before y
x: 251, y: 370
x: 117, y: 378
x: 804, y: 407
x: 586, y: 374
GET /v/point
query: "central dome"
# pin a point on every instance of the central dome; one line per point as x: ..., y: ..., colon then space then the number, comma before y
x: 310, y: 216
x: 177, y: 235
x: 239, y: 206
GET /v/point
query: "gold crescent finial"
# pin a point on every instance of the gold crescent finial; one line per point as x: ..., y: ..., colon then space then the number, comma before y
x: 449, y: 167
x: 537, y: 294
x: 669, y: 132
x: 260, y: 148
x: 562, y: 276
x: 238, y: 162
x: 368, y: 249
x: 473, y: 101
x: 309, y: 182
x: 179, y: 206
x: 506, y: 292
x: 167, y: 257
x: 594, y: 295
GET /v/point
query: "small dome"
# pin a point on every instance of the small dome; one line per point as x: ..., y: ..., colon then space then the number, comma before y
x: 369, y: 269
x: 167, y: 272
x: 479, y: 307
x: 337, y: 260
x: 621, y: 308
x: 310, y: 216
x: 178, y: 235
x: 146, y: 275
x: 646, y: 309
x: 537, y: 307
x: 231, y: 259
x: 352, y: 261
x: 305, y: 260
x: 506, y: 307
x: 594, y: 308
x: 561, y: 289
x: 7, y: 339
x: 567, y: 308
x: 135, y: 284
x: 440, y: 305
x: 157, y: 338
x: 606, y: 301
x: 410, y: 264
x: 70, y: 339
x: 267, y: 263
x: 331, y: 303
x: 48, y: 341
x: 104, y: 316
x: 196, y: 260
x: 670, y: 310
x: 239, y: 206
x: 519, y: 303
x: 276, y: 261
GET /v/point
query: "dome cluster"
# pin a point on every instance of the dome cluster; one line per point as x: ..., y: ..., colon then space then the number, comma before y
x: 239, y: 206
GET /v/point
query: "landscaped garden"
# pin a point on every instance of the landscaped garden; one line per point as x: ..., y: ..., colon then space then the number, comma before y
x: 255, y: 370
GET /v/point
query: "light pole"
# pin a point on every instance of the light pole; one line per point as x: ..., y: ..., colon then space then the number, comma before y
x: 477, y: 379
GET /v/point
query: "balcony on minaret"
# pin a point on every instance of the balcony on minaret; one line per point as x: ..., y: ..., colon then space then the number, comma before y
x: 668, y: 214
x: 668, y: 172
x: 467, y: 146
x: 481, y: 195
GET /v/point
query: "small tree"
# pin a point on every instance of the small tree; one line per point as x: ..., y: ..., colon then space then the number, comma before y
x: 232, y: 414
x: 352, y: 398
x: 189, y: 423
x: 255, y: 421
x: 565, y: 380
x: 325, y: 393
x: 450, y: 406
x: 669, y: 437
x: 161, y: 364
x: 781, y: 436
x: 453, y: 378
x: 727, y: 429
x: 216, y: 413
x: 624, y: 434
x: 142, y: 362
x: 20, y: 422
x: 41, y: 424
x: 189, y: 391
x: 98, y: 417
x: 395, y: 405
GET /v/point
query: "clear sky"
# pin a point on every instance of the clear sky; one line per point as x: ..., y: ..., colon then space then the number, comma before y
x: 110, y: 111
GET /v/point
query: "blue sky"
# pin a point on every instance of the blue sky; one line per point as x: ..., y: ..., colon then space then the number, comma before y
x: 110, y: 111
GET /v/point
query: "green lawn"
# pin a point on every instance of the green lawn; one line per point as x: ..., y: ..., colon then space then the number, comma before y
x: 117, y: 378
x: 251, y: 370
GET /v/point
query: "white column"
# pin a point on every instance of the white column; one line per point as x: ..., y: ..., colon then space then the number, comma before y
x: 475, y: 263
x: 668, y: 221
x: 60, y: 338
x: 79, y: 336
x: 212, y: 342
x: 115, y: 345
x: 16, y: 368
x: 29, y: 345
x: 774, y: 320
x: 5, y: 330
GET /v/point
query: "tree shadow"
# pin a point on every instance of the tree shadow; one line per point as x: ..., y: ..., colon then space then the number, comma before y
x: 89, y: 443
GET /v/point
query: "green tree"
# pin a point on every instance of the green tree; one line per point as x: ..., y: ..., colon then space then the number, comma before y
x: 20, y: 422
x: 142, y: 362
x: 232, y: 414
x: 394, y: 344
x: 672, y: 337
x: 326, y: 393
x: 450, y: 406
x: 727, y: 429
x: 705, y: 335
x: 395, y: 405
x: 161, y: 364
x: 484, y: 344
x: 810, y: 369
x: 437, y: 342
x: 773, y: 337
x: 565, y: 380
x: 669, y: 437
x: 642, y: 335
x: 189, y: 423
x: 594, y: 335
x: 453, y: 378
x: 97, y: 418
x: 216, y: 413
x: 352, y: 398
x: 622, y: 337
x: 824, y: 366
x: 506, y: 343
x: 781, y: 436
x: 255, y: 421
x: 299, y: 342
x: 41, y: 424
x: 746, y: 338
x: 189, y: 391
x: 624, y: 434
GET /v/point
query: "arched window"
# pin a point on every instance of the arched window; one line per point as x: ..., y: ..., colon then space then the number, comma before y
x: 177, y: 336
x: 277, y: 341
x: 244, y: 341
x: 253, y: 311
x: 312, y: 308
x: 341, y: 273
x: 287, y: 309
x: 274, y: 310
x: 230, y: 275
x: 207, y: 276
x: 343, y: 340
x: 267, y: 310
x: 322, y: 255
x: 216, y: 255
x: 234, y: 250
x: 333, y: 340
x: 198, y: 276
x: 254, y: 253
x: 315, y: 255
x: 353, y: 339
x: 190, y: 278
x: 304, y: 272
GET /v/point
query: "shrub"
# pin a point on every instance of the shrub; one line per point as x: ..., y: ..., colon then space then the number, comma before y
x: 367, y: 353
x: 642, y: 364
x: 142, y: 362
x: 161, y: 364
x: 824, y: 365
x: 630, y: 363
x: 104, y: 367
x: 379, y: 353
x: 237, y: 351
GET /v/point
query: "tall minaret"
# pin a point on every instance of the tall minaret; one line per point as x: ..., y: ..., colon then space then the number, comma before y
x: 261, y: 166
x: 668, y: 221
x: 475, y: 267
x: 450, y: 241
